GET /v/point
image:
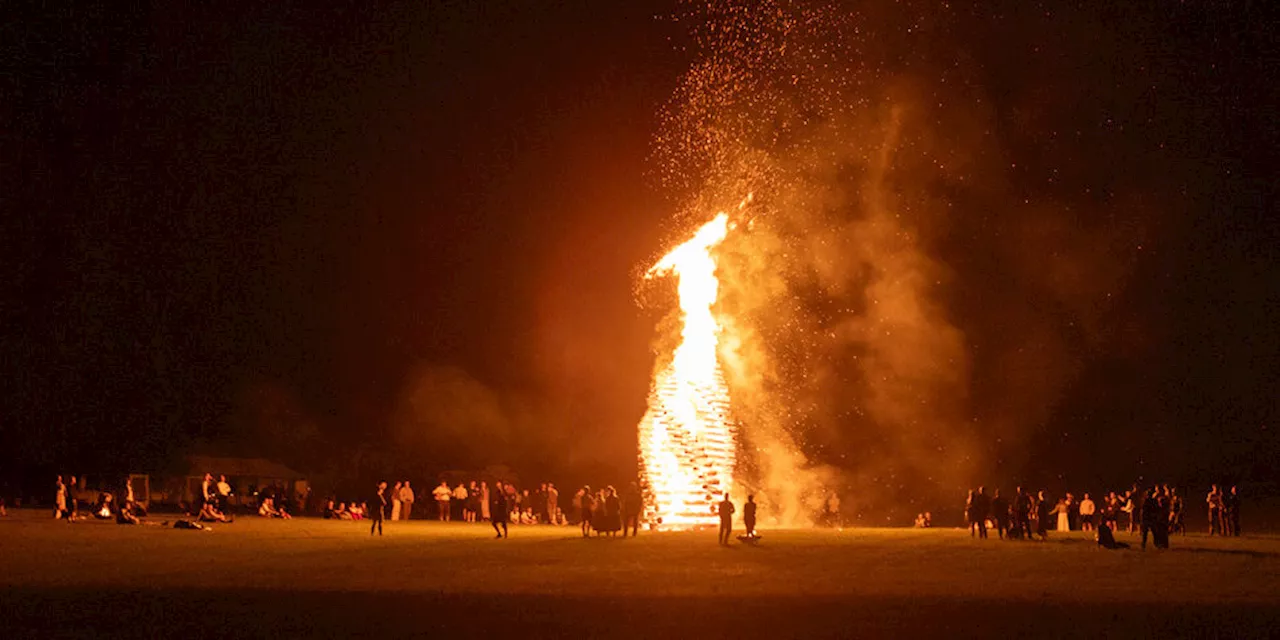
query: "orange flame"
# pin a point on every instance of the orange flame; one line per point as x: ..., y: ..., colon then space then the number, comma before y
x: 687, y: 440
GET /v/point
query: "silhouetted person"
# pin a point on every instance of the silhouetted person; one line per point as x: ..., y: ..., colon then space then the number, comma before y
x: 1021, y: 514
x: 632, y: 505
x: 969, y: 520
x: 981, y: 509
x: 377, y: 507
x: 587, y: 503
x: 1106, y: 540
x: 725, y: 509
x: 499, y: 511
x: 1042, y: 516
x: 1150, y: 518
x: 1162, y: 517
x: 1000, y: 512
x: 1231, y: 513
x: 749, y: 515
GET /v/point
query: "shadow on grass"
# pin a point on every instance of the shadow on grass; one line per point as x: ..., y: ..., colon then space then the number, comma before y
x: 194, y: 613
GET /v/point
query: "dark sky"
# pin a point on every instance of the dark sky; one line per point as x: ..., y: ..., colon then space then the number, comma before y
x: 249, y: 209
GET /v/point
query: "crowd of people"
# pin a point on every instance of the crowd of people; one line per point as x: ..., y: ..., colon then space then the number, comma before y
x: 1155, y: 512
x: 604, y: 511
x: 103, y: 505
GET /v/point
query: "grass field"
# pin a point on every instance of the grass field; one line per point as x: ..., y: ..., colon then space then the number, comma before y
x: 257, y: 578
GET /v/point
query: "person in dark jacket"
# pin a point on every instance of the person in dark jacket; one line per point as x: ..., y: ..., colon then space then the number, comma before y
x: 725, y: 509
x: 749, y: 516
x: 632, y: 505
x: 377, y: 507
x: 1042, y: 516
x: 499, y: 511
x: 1000, y: 513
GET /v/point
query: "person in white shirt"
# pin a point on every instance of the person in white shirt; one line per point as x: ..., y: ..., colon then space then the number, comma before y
x: 224, y: 493
x: 442, y: 495
x: 460, y: 499
x: 1087, y: 509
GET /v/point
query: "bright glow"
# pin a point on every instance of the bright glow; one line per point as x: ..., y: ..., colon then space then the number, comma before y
x: 687, y: 439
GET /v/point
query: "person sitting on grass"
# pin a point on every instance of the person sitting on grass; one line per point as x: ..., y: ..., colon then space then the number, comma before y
x: 1106, y: 540
x: 210, y: 513
x: 527, y: 517
x: 103, y: 509
x: 268, y: 510
x: 126, y: 515
x: 357, y: 510
x: 341, y: 513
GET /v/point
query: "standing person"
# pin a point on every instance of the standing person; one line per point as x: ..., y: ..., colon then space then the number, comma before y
x: 395, y: 501
x: 1087, y: 509
x: 725, y: 509
x: 485, y: 512
x: 224, y: 493
x: 1213, y: 501
x: 1073, y: 513
x: 473, y: 501
x: 632, y: 504
x: 499, y: 511
x: 981, y: 509
x: 1132, y: 505
x: 1021, y: 515
x: 540, y: 502
x: 575, y: 507
x: 1042, y: 516
x: 406, y: 501
x: 460, y: 499
x: 587, y: 504
x: 73, y: 500
x: 1064, y: 517
x: 1175, y: 512
x: 833, y: 510
x: 206, y: 489
x: 968, y: 515
x: 1161, y: 521
x: 1000, y: 513
x: 1235, y: 511
x: 377, y: 506
x: 1113, y: 511
x: 442, y: 495
x: 553, y: 504
x: 1149, y: 517
x: 612, y: 511
x: 1230, y: 514
x: 60, y: 501
x: 749, y: 516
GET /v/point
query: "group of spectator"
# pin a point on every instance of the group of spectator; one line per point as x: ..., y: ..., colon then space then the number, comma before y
x: 474, y: 502
x: 106, y: 505
x: 599, y: 512
x: 1159, y: 510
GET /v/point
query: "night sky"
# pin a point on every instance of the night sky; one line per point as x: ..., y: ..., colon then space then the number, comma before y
x: 266, y: 228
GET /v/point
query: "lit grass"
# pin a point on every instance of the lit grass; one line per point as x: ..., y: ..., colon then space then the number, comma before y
x: 934, y: 569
